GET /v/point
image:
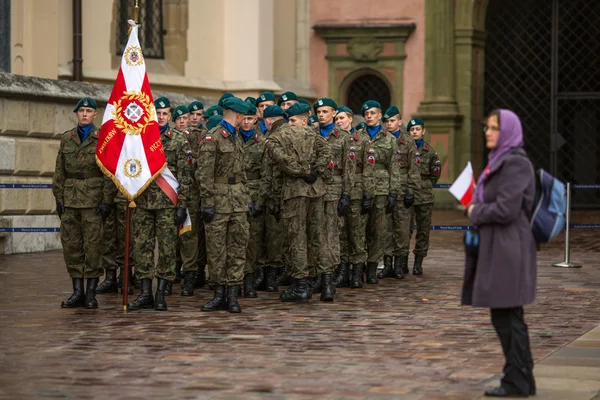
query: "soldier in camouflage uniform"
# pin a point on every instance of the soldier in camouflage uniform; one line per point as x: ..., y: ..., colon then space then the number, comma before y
x: 303, y: 158
x: 410, y: 182
x: 263, y: 101
x: 254, y: 148
x: 226, y: 205
x: 430, y: 169
x: 337, y: 196
x: 157, y: 217
x: 381, y: 185
x: 196, y: 110
x: 83, y: 197
x: 286, y: 100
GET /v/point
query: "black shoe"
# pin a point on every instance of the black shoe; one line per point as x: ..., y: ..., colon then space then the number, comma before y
x: 189, y: 283
x: 218, y: 302
x: 145, y: 298
x: 418, y: 267
x: 201, y: 277
x: 169, y: 289
x: 260, y: 281
x: 233, y: 306
x: 298, y: 292
x: 272, y: 278
x: 90, y: 293
x: 77, y: 299
x: 178, y: 276
x: 109, y: 285
x: 120, y: 281
x: 357, y: 273
x: 249, y: 290
x: 502, y: 391
x: 160, y: 303
x: 314, y: 284
x: 372, y: 273
x: 342, y: 276
x: 284, y: 278
x: 399, y: 263
x: 327, y: 287
x: 388, y: 270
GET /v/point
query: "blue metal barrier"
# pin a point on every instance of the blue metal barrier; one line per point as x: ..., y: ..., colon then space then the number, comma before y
x: 25, y: 186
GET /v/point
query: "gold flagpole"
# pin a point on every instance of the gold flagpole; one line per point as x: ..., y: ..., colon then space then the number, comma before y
x: 136, y: 14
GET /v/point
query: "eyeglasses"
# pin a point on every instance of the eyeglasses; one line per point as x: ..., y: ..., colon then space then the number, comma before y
x: 491, y: 128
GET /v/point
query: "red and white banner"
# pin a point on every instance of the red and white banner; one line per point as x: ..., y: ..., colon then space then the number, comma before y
x: 129, y: 149
x: 463, y: 187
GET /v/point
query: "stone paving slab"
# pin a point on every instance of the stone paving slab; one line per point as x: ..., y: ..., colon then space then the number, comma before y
x: 397, y: 340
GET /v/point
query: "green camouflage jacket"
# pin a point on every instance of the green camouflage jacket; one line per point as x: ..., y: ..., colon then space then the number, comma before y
x: 430, y: 169
x: 410, y: 177
x: 381, y: 173
x: 342, y: 165
x: 254, y: 150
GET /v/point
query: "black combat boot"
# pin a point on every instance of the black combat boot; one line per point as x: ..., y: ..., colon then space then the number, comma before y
x: 77, y: 299
x: 284, y: 278
x: 298, y: 292
x: 160, y: 303
x: 189, y: 283
x: 388, y: 269
x: 399, y: 267
x: 120, y: 281
x: 404, y: 264
x: 233, y: 306
x: 169, y: 288
x: 145, y: 298
x: 357, y: 273
x: 201, y: 278
x: 218, y: 302
x: 109, y: 285
x: 249, y: 290
x: 314, y: 284
x: 327, y: 287
x: 342, y: 278
x: 418, y: 266
x: 372, y: 273
x: 178, y: 276
x: 90, y: 293
x: 260, y: 281
x: 271, y: 280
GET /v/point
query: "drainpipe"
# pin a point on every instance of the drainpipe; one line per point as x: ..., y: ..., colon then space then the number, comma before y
x: 77, y: 42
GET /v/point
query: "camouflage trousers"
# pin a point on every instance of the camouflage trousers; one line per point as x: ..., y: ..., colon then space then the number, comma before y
x: 226, y: 241
x: 303, y: 219
x: 344, y: 245
x: 422, y: 215
x: 113, y: 255
x: 401, y: 228
x: 331, y: 247
x: 188, y: 244
x: 354, y: 231
x: 255, y: 251
x: 81, y: 237
x: 149, y: 225
x: 274, y: 242
x: 377, y: 230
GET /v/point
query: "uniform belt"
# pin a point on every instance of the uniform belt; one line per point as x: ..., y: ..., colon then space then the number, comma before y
x: 84, y: 175
x: 230, y: 180
x: 253, y: 176
x: 380, y: 166
x: 337, y: 172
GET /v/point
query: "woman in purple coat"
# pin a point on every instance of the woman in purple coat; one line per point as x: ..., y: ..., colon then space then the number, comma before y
x: 503, y: 275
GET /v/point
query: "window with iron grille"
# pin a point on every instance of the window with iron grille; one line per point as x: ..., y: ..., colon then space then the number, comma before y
x: 367, y: 87
x: 5, y: 35
x: 151, y: 30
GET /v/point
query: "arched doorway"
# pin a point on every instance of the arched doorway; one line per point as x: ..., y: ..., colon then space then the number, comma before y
x: 367, y: 86
x: 541, y: 61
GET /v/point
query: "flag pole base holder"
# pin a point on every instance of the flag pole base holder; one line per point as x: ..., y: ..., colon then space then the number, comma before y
x: 567, y: 265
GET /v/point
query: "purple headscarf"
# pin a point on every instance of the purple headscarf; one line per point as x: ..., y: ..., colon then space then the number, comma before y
x: 511, y: 136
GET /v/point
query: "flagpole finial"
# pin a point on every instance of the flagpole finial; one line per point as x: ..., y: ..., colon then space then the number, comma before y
x: 136, y: 14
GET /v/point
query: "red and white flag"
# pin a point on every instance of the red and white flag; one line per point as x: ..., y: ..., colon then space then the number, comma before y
x: 463, y: 187
x: 130, y: 150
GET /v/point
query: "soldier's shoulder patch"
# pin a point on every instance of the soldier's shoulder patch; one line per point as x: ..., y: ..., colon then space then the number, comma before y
x: 426, y: 147
x: 256, y: 137
x: 336, y: 133
x: 208, y: 138
x: 224, y: 133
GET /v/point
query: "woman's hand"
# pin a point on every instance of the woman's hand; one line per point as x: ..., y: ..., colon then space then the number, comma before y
x: 470, y: 209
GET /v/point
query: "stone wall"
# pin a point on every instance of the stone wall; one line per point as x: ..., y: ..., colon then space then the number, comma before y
x: 34, y: 112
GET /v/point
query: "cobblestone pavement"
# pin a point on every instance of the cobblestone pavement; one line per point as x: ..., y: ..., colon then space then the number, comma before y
x: 400, y: 339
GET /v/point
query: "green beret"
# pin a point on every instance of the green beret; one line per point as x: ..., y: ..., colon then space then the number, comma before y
x: 287, y: 96
x: 250, y: 100
x: 390, y: 112
x: 273, y: 111
x: 224, y: 97
x: 265, y: 96
x: 162, y: 102
x: 312, y: 119
x: 213, y: 121
x: 297, y: 109
x: 195, y: 106
x: 212, y: 110
x: 303, y: 101
x: 414, y: 121
x: 345, y: 109
x: 361, y: 125
x: 324, y: 101
x: 85, y: 102
x: 251, y: 109
x: 235, y: 104
x: 178, y: 112
x: 368, y: 105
